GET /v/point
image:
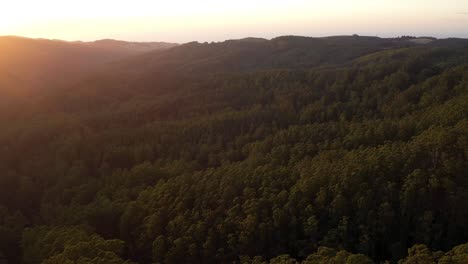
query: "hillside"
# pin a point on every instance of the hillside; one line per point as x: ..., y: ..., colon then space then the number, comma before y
x: 313, y: 150
x: 258, y: 54
x: 29, y: 65
x: 161, y: 72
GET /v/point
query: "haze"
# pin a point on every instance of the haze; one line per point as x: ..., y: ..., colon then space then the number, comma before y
x: 209, y: 20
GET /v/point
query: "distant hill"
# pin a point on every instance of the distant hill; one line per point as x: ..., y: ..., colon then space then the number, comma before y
x: 163, y: 71
x: 36, y: 64
x: 256, y: 54
x: 251, y: 54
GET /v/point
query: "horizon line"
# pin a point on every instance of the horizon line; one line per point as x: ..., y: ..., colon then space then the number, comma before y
x: 220, y: 41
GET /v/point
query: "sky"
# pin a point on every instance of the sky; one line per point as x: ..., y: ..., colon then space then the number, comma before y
x: 209, y: 20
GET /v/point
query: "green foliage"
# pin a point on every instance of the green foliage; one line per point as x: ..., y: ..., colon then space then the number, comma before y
x: 285, y: 165
x: 51, y: 245
x: 421, y: 254
x: 327, y: 255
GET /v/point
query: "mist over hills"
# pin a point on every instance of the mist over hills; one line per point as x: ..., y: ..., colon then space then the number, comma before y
x: 342, y: 149
x: 131, y: 47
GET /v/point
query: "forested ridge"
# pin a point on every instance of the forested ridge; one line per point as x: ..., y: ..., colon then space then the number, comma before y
x: 333, y: 150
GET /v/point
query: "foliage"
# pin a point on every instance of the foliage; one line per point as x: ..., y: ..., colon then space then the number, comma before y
x: 300, y: 164
x: 51, y: 245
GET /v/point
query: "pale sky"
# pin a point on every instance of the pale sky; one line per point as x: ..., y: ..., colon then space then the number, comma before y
x: 210, y: 20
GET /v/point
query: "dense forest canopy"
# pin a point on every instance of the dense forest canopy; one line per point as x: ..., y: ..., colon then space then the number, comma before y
x: 313, y: 150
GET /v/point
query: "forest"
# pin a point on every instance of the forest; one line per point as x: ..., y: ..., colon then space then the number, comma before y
x: 338, y: 150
